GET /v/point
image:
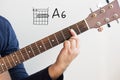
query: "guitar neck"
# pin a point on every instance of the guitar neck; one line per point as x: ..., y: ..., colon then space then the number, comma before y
x: 96, y: 19
x: 40, y: 46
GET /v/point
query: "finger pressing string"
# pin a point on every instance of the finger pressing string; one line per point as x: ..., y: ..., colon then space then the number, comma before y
x: 73, y: 32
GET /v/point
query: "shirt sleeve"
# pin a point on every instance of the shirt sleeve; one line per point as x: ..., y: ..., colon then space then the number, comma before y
x: 11, y: 44
x: 42, y: 75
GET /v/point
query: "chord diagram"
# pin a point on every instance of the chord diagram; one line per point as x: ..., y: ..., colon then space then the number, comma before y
x: 40, y: 16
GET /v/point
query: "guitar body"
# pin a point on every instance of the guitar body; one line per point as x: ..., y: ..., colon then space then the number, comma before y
x: 5, y: 76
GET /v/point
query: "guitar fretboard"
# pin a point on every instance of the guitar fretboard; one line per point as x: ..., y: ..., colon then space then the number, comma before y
x: 40, y: 46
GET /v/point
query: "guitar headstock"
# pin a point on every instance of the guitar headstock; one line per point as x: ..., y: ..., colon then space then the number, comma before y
x: 104, y: 15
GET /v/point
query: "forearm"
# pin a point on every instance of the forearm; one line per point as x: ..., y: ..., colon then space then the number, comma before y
x: 55, y: 71
x: 66, y: 56
x: 5, y: 76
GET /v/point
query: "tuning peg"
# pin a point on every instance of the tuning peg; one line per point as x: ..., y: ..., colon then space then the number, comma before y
x: 117, y: 21
x: 91, y: 10
x: 116, y: 16
x: 107, y: 1
x: 93, y: 14
x: 100, y: 29
x: 108, y: 23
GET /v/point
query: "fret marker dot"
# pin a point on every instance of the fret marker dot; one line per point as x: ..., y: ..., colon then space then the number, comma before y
x: 16, y: 61
x: 2, y: 64
x: 52, y: 40
x: 29, y: 51
x: 40, y: 46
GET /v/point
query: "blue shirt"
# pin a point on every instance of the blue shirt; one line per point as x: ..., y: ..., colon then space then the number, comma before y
x: 9, y: 44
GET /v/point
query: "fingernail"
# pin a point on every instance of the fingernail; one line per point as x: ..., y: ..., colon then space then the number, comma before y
x: 72, y: 30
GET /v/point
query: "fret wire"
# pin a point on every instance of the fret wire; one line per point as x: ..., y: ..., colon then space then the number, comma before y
x: 50, y: 42
x: 34, y: 47
x: 1, y: 66
x: 59, y: 37
x: 43, y: 45
x: 78, y: 27
x: 40, y: 46
x: 37, y: 47
x: 46, y: 43
x: 29, y: 50
x: 63, y: 35
x: 12, y: 59
x: 74, y: 27
x: 82, y: 26
x: 53, y: 40
x: 69, y: 28
x: 17, y: 57
x: 1, y: 69
x: 22, y: 55
x: 67, y: 33
x: 56, y: 38
x: 8, y: 61
x: 32, y: 51
x: 27, y: 53
x: 4, y: 63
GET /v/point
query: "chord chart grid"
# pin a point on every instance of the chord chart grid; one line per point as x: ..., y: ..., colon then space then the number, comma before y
x: 40, y: 16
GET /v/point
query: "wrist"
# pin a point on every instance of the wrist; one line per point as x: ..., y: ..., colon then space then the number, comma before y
x: 55, y: 71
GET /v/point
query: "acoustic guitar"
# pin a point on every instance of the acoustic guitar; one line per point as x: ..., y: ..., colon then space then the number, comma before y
x: 96, y: 19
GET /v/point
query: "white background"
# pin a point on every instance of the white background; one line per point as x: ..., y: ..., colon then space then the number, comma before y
x: 99, y: 57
